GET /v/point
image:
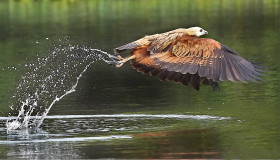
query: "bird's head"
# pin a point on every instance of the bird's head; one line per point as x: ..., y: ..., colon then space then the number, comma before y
x: 196, y: 31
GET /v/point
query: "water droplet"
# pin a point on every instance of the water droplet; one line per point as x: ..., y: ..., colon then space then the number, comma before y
x: 51, y: 78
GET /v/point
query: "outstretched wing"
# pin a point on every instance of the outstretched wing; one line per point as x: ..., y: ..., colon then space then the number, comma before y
x: 145, y: 64
x: 207, y: 58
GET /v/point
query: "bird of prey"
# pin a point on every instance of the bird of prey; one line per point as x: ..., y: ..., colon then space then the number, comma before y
x: 182, y: 56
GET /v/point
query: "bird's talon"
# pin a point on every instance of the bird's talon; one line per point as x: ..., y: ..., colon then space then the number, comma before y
x: 119, y: 65
x: 113, y: 63
x: 115, y: 58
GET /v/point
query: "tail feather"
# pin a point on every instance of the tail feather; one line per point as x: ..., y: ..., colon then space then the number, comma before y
x: 125, y: 47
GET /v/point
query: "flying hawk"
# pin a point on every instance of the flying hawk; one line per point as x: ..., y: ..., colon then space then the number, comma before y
x: 182, y: 56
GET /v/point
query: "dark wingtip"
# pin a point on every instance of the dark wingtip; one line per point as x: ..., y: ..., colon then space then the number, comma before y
x: 230, y: 50
x: 196, y: 88
x: 215, y: 86
x: 262, y: 67
x: 195, y: 81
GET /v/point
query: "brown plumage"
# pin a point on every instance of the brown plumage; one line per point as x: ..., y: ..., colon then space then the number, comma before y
x: 181, y: 56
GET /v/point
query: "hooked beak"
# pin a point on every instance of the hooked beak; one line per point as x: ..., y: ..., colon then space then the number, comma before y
x: 205, y: 32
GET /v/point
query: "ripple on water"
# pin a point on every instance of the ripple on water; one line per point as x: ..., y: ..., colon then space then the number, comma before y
x: 69, y: 125
x: 73, y: 139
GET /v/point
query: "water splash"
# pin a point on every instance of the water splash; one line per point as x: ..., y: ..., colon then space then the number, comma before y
x: 50, y: 79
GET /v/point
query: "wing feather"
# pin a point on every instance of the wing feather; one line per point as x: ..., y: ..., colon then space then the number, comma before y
x: 163, y: 74
x: 155, y: 71
x: 238, y: 72
x: 185, y: 79
x: 216, y: 69
x: 203, y: 67
x: 223, y: 76
x: 208, y: 58
x: 195, y: 81
x: 171, y: 76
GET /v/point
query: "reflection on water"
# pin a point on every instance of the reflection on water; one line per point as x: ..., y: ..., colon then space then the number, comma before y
x: 180, y: 144
x: 198, y: 143
x: 53, y: 150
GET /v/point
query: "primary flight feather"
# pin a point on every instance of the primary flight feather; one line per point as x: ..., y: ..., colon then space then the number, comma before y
x: 182, y: 56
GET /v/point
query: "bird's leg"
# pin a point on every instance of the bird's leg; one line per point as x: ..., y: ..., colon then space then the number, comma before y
x: 121, y: 62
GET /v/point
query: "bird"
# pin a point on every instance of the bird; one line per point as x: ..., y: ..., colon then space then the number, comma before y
x: 183, y: 56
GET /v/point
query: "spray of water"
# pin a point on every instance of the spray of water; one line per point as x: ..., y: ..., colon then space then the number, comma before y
x: 50, y: 79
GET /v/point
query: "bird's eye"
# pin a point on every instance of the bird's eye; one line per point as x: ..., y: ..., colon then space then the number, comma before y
x: 200, y: 30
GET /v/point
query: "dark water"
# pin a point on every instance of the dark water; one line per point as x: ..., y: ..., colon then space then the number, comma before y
x: 119, y: 113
